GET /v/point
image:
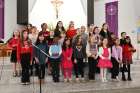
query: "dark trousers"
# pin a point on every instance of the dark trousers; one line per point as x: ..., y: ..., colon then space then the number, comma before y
x: 32, y: 67
x: 115, y: 69
x: 79, y: 68
x: 92, y: 68
x: 41, y: 71
x: 55, y: 71
x: 128, y: 67
x: 25, y: 64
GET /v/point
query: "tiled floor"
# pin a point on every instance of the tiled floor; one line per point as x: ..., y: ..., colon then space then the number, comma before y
x: 9, y: 84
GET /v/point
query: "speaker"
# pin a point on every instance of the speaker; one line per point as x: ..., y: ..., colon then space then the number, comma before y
x: 22, y: 12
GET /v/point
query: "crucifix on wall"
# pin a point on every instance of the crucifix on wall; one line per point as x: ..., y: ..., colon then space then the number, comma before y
x: 57, y: 4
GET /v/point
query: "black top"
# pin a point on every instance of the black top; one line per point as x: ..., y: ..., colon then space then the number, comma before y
x: 104, y: 34
x: 122, y: 41
x: 50, y: 40
x: 57, y: 33
x: 79, y: 53
x: 43, y: 47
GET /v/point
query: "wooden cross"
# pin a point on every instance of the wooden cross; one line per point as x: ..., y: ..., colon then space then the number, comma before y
x: 57, y: 4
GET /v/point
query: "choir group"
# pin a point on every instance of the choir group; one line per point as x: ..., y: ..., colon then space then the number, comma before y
x: 67, y: 51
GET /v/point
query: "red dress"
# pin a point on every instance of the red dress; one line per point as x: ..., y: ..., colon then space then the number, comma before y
x: 66, y: 63
x: 71, y: 33
x: 105, y: 63
x: 45, y: 33
x: 127, y: 54
x: 25, y: 48
x: 13, y: 43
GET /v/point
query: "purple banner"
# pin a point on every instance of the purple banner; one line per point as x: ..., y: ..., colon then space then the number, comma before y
x: 112, y: 16
x: 1, y: 18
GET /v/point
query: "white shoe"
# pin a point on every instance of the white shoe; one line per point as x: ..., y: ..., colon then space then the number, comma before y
x: 70, y: 80
x: 103, y: 80
x: 65, y: 80
x: 83, y: 79
x: 117, y: 78
x: 77, y: 80
x: 27, y: 83
x: 23, y: 83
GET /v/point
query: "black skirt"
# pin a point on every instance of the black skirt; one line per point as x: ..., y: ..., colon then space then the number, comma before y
x: 13, y: 58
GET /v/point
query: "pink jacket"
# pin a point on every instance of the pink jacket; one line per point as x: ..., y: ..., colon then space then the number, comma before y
x: 66, y: 58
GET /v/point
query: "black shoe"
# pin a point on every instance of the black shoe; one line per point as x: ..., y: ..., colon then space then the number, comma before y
x: 31, y: 73
x: 123, y: 79
x: 129, y: 79
x: 56, y: 80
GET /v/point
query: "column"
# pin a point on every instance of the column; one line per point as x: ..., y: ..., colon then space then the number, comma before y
x: 90, y: 12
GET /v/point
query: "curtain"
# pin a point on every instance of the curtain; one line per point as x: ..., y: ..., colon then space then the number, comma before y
x: 84, y: 6
x: 1, y: 19
x: 111, y: 9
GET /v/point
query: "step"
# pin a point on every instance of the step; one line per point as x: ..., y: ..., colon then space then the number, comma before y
x: 97, y: 86
x: 127, y: 90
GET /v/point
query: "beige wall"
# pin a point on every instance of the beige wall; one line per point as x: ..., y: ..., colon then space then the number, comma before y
x: 10, y: 18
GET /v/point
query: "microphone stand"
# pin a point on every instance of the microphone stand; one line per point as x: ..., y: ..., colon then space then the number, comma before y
x: 40, y: 82
x: 41, y: 51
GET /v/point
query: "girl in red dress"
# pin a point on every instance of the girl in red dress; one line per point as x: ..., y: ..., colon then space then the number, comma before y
x: 13, y: 43
x: 67, y: 64
x: 25, y: 56
x: 104, y: 61
x: 71, y: 32
x: 128, y: 51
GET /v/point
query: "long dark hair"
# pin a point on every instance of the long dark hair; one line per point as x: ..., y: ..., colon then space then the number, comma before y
x: 94, y: 29
x: 130, y: 44
x: 18, y: 35
x: 64, y: 43
x: 101, y: 45
x: 77, y: 40
x: 12, y: 37
x: 27, y: 39
x: 57, y: 26
x: 102, y: 33
x: 38, y: 41
x: 103, y: 27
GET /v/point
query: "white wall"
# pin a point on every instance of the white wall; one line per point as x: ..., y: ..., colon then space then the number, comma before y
x: 31, y: 5
x: 126, y: 13
x: 43, y: 11
x: 10, y: 18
